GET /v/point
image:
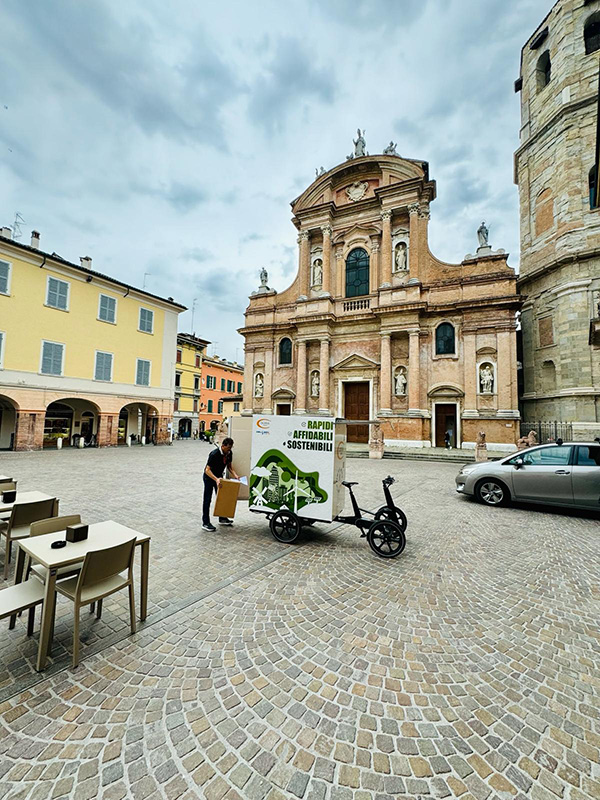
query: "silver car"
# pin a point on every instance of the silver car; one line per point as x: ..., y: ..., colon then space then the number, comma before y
x: 565, y: 474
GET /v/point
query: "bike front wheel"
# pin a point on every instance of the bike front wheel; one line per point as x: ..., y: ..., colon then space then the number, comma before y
x: 285, y: 526
x: 386, y: 538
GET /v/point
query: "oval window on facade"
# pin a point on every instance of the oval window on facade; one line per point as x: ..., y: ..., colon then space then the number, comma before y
x: 357, y: 273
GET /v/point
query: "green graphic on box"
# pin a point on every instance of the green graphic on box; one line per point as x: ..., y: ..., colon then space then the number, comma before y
x: 276, y: 482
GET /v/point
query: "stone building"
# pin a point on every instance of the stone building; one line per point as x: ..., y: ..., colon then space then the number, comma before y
x: 560, y: 218
x: 376, y: 327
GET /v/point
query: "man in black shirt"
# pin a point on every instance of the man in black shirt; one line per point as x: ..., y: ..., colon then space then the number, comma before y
x: 218, y: 461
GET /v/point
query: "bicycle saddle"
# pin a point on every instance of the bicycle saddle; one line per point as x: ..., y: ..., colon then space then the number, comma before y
x: 349, y: 483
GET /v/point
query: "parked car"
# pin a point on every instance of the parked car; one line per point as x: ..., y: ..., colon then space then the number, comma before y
x: 557, y: 474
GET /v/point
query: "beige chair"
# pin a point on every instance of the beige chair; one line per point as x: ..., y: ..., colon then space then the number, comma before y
x: 99, y: 577
x: 17, y: 598
x: 21, y: 517
x: 6, y: 486
x: 52, y: 525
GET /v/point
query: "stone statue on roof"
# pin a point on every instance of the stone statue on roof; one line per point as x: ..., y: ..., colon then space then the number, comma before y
x: 390, y: 150
x: 360, y: 145
x: 483, y: 234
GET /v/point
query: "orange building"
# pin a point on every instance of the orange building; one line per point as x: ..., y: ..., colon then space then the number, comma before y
x: 220, y: 378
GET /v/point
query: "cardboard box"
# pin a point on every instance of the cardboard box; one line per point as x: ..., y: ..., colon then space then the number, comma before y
x: 227, y: 496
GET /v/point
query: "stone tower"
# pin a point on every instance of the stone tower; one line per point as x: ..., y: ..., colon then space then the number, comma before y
x: 560, y: 221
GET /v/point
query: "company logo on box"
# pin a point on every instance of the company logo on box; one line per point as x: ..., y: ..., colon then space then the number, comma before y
x: 264, y: 424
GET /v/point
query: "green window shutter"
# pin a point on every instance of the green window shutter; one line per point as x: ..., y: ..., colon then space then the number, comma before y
x: 4, y: 268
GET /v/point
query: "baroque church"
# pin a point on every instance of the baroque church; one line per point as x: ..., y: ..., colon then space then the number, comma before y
x: 375, y: 327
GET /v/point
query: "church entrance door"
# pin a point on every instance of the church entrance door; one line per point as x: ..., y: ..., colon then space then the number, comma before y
x: 445, y: 420
x: 356, y: 406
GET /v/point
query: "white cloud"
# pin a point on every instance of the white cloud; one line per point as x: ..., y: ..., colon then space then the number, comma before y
x: 169, y: 139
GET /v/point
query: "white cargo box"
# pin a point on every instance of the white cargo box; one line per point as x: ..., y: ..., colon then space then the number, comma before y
x: 298, y: 463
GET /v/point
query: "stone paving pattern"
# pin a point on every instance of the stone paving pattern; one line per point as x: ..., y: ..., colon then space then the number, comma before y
x: 468, y: 667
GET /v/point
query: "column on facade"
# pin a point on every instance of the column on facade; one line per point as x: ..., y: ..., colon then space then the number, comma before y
x: 470, y: 377
x: 386, y: 249
x: 326, y: 230
x: 304, y: 263
x: 108, y: 429
x: 301, y: 378
x: 29, y: 430
x: 340, y: 272
x: 374, y: 272
x: 414, y: 370
x: 504, y: 371
x: 248, y: 380
x: 413, y: 221
x: 385, y: 404
x: 424, y: 216
x: 268, y: 382
x: 324, y: 377
x: 162, y: 430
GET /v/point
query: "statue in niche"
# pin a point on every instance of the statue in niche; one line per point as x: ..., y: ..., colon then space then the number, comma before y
x: 317, y: 272
x: 315, y: 384
x: 360, y: 144
x: 259, y: 386
x: 390, y: 150
x: 400, y: 263
x: 482, y: 235
x: 486, y: 379
x: 400, y: 382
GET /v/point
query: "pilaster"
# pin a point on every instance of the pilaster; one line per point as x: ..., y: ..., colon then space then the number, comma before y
x: 385, y: 405
x: 324, y: 377
x: 386, y: 250
x: 326, y: 231
x: 304, y: 263
x: 108, y: 428
x: 301, y: 378
x: 414, y: 372
x: 29, y: 430
x: 248, y: 381
x: 413, y: 251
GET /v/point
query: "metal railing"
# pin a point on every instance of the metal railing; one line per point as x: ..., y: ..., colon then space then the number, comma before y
x: 548, y: 431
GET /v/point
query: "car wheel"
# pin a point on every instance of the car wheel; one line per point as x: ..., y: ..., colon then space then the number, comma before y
x: 492, y: 492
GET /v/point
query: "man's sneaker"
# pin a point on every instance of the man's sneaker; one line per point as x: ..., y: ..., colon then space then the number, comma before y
x: 206, y: 526
x: 225, y: 521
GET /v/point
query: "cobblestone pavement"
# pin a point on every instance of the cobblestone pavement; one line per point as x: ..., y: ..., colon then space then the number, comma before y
x: 468, y: 667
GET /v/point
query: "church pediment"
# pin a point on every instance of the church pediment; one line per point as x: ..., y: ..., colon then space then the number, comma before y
x: 356, y: 232
x: 445, y: 390
x: 283, y: 392
x: 356, y: 362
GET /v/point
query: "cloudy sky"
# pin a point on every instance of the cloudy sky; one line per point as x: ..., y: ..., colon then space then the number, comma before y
x: 166, y: 140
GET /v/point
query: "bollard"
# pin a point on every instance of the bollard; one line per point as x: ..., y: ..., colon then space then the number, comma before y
x: 59, y: 443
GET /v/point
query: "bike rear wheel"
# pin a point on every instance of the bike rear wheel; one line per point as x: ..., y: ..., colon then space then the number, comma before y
x: 385, y: 512
x: 285, y: 526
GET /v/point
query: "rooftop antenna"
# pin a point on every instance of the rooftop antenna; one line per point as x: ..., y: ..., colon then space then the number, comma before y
x: 193, y: 312
x: 19, y: 221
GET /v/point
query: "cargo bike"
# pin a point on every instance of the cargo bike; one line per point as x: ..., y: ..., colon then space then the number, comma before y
x: 297, y: 478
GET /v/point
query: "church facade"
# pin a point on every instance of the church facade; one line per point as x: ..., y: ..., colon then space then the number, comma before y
x: 374, y: 327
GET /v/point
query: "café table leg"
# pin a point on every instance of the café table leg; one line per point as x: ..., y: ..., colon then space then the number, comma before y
x: 144, y: 580
x: 47, y: 619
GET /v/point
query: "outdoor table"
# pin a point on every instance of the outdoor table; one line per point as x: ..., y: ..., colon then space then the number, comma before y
x: 100, y: 535
x: 26, y: 497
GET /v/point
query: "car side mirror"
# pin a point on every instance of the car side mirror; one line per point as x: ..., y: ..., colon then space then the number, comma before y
x: 518, y: 463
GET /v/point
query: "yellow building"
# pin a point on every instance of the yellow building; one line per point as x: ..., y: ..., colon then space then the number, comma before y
x: 232, y: 405
x: 82, y: 355
x: 188, y: 382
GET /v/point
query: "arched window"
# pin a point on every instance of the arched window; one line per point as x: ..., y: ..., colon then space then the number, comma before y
x: 592, y: 185
x: 591, y: 33
x: 543, y: 70
x: 357, y: 273
x: 444, y: 339
x: 285, y: 351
